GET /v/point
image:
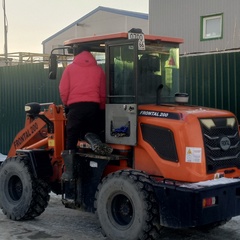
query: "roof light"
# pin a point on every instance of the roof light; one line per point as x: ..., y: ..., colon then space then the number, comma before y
x: 208, y: 123
x: 231, y: 121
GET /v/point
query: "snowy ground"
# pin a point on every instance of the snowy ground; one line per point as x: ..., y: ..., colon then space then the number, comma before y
x: 2, y: 157
x: 61, y: 223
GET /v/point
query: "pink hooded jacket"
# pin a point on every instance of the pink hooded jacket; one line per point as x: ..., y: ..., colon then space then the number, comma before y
x: 83, y: 81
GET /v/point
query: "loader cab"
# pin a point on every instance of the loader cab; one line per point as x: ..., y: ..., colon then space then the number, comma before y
x: 134, y: 75
x: 140, y: 69
x: 137, y: 74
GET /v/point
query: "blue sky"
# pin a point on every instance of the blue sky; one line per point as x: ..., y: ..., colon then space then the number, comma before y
x: 32, y: 21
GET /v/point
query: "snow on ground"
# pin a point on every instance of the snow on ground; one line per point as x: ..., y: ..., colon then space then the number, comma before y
x: 2, y: 157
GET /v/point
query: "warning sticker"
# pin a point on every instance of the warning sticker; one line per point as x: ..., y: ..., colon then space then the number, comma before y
x: 193, y: 155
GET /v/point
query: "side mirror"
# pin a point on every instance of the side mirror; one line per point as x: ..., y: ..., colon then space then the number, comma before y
x: 53, y: 66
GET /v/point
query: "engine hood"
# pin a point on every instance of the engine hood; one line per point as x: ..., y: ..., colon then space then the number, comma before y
x: 180, y: 112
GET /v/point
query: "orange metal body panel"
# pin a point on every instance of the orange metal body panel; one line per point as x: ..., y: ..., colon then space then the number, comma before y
x: 187, y: 133
x: 116, y: 36
x: 28, y: 135
x: 33, y: 136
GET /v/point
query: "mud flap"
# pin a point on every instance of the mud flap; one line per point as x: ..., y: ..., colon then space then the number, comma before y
x: 40, y: 162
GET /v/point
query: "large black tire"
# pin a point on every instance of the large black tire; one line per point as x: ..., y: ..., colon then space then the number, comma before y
x: 22, y: 195
x: 126, y: 206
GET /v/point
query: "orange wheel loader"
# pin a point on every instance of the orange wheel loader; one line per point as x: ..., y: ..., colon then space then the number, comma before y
x: 173, y: 164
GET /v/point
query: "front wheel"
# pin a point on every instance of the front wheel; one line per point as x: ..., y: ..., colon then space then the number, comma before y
x: 22, y: 195
x: 126, y: 206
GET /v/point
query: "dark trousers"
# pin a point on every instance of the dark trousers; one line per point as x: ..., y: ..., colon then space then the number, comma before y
x: 81, y: 118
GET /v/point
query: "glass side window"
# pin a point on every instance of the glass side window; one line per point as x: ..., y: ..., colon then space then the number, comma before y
x: 212, y: 27
x: 121, y: 74
x: 158, y: 66
x: 138, y: 80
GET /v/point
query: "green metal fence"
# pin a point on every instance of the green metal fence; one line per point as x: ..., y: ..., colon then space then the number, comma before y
x: 20, y: 85
x: 212, y: 80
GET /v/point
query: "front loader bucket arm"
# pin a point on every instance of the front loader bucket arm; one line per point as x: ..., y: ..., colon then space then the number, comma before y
x: 44, y: 130
x: 27, y: 136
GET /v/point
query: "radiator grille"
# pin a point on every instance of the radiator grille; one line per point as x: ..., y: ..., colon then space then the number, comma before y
x: 221, y: 141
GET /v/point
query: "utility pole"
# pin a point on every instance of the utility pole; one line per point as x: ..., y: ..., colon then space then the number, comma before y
x: 5, y: 33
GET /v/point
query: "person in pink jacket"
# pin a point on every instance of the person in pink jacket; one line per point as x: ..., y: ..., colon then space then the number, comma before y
x: 83, y: 90
x: 83, y: 81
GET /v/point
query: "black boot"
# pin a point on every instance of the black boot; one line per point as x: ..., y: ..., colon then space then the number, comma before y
x: 71, y: 165
x: 97, y: 145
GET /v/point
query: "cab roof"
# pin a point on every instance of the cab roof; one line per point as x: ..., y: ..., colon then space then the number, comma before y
x: 99, y: 41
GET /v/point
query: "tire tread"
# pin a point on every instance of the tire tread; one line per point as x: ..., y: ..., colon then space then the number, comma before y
x: 143, y: 183
x: 39, y: 195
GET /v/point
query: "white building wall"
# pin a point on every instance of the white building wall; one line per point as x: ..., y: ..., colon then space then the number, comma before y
x: 181, y: 18
x: 99, y: 23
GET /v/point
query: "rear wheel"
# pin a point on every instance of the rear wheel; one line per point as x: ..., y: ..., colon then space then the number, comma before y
x: 126, y: 206
x: 22, y: 195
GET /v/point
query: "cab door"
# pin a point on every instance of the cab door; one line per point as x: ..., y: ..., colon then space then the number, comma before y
x: 121, y: 107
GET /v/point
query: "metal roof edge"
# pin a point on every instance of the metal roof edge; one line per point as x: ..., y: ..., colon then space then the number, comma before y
x: 100, y: 8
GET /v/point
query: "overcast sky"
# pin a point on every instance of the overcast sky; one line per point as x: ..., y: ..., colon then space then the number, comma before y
x: 32, y: 21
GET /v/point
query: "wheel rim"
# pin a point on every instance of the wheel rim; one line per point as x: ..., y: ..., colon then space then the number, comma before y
x: 15, y: 188
x: 122, y: 210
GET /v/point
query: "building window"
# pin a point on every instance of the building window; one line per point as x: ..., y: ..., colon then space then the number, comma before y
x: 212, y: 27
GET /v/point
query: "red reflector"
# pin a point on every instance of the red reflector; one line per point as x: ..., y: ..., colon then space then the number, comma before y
x: 208, y: 202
